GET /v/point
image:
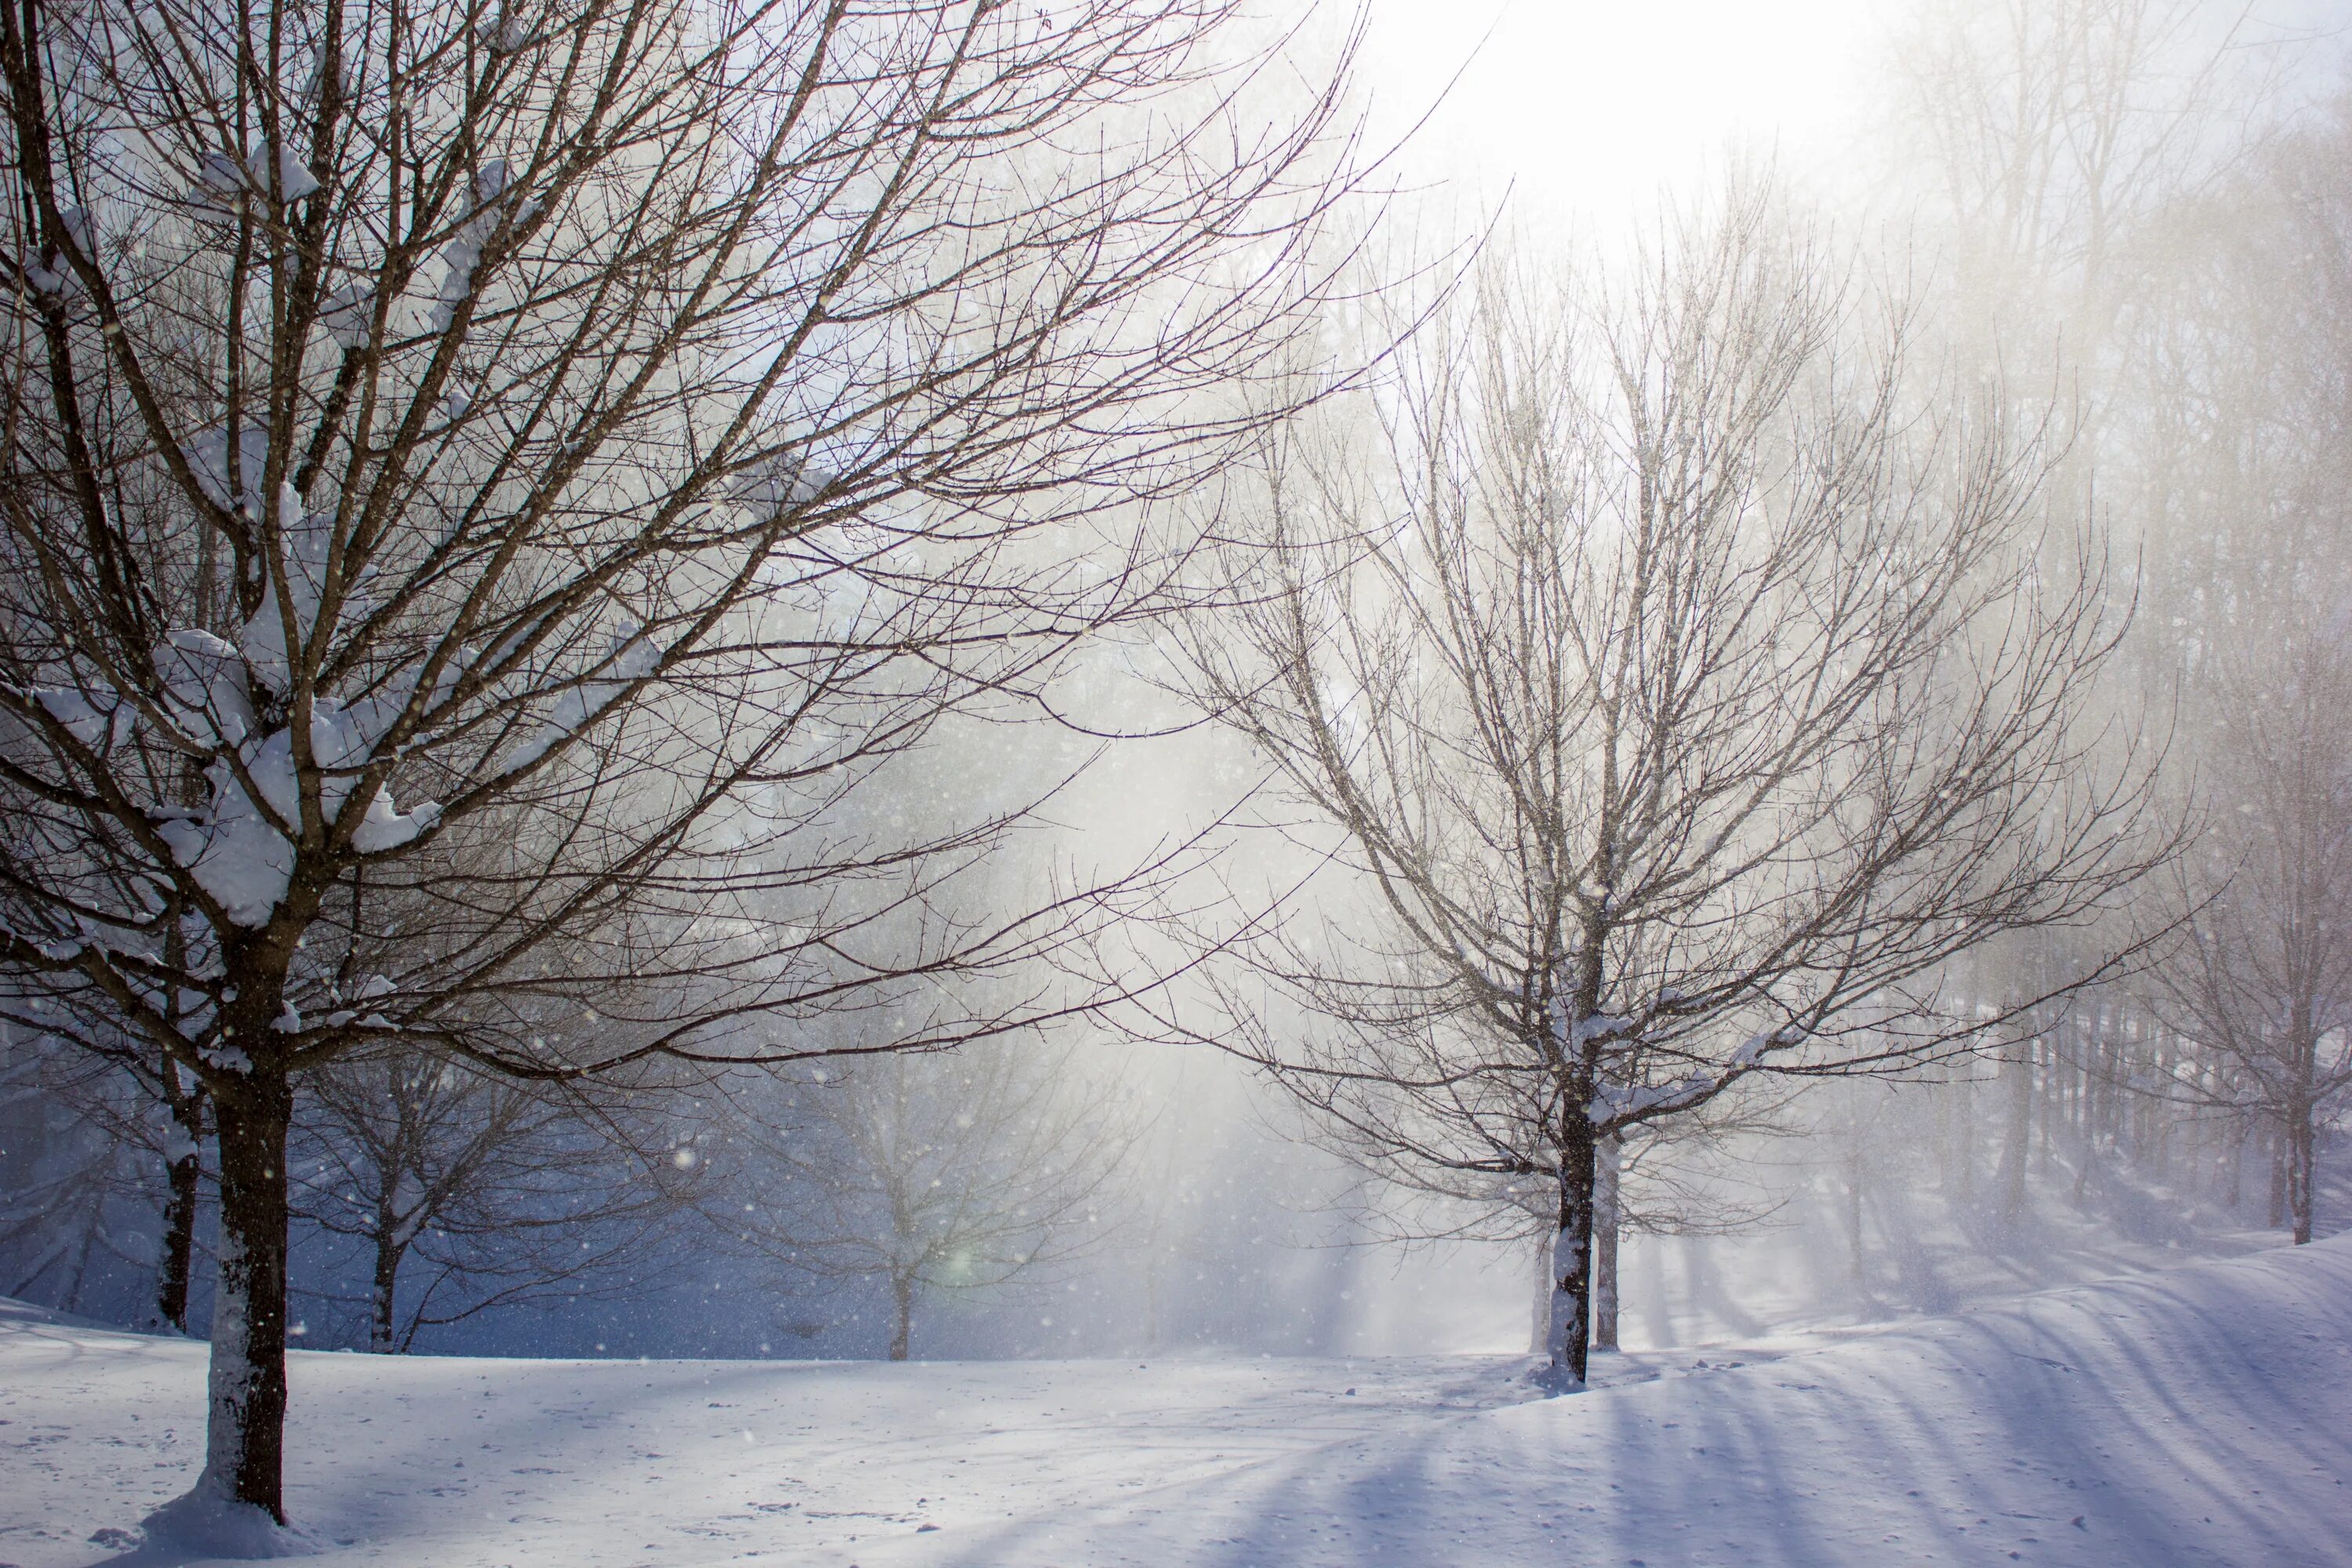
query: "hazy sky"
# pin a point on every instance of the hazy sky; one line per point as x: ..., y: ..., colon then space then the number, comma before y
x: 1590, y: 105
x: 1586, y: 108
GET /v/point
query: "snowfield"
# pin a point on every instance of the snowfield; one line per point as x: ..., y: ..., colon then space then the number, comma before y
x: 2198, y: 1415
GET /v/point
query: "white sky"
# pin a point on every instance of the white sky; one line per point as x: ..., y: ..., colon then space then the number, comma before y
x: 1586, y: 108
x: 1589, y: 106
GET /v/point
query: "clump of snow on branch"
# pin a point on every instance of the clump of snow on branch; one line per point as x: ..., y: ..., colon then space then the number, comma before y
x: 222, y: 181
x: 632, y: 659
x: 59, y: 280
x: 490, y: 202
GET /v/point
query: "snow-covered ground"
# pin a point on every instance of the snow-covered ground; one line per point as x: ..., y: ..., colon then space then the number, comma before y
x: 2202, y: 1415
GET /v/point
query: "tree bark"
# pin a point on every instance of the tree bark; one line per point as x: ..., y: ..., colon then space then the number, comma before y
x: 2017, y: 1075
x: 1568, y: 1341
x: 184, y: 1099
x: 2301, y: 1147
x: 184, y: 1170
x: 902, y: 1304
x: 1607, y: 1214
x: 244, y: 1439
x: 381, y: 1319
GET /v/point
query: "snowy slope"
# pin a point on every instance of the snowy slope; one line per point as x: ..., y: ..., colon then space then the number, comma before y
x: 2201, y: 1415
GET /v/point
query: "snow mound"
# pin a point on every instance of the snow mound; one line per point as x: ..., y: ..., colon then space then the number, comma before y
x: 205, y: 1522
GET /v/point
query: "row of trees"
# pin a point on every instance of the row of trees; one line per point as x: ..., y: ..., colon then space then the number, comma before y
x: 2158, y: 187
x: 425, y: 1194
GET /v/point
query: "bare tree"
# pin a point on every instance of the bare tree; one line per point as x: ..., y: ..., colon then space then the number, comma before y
x: 69, y: 1186
x: 129, y: 1125
x: 933, y: 1174
x: 2263, y: 987
x: 2050, y: 140
x: 1698, y: 692
x: 496, y: 476
x: 486, y: 1191
x: 2258, y: 583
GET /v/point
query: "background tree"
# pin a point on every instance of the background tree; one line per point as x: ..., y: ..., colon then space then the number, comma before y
x: 489, y: 481
x: 1697, y: 694
x: 2253, y: 1006
x: 933, y: 1174
x: 2047, y: 149
x: 152, y: 1113
x: 485, y: 1191
x: 2046, y: 144
x: 72, y: 1207
x: 2261, y: 988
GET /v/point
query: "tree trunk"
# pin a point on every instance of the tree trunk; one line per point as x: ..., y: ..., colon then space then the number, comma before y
x: 381, y: 1316
x: 245, y: 1436
x: 902, y: 1304
x: 184, y: 1097
x: 2050, y: 1096
x: 1964, y: 1142
x: 2301, y: 1147
x: 2237, y: 1161
x: 2278, y: 1175
x: 1607, y: 1214
x: 1855, y: 1172
x: 1155, y: 1291
x: 1568, y: 1341
x: 1539, y: 1329
x: 184, y: 1168
x: 2017, y: 1074
x: 71, y: 1298
x: 2087, y: 1159
x: 1940, y: 1096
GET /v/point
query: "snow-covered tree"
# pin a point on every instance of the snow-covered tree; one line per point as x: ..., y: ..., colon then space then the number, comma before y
x: 484, y: 483
x: 1688, y: 690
